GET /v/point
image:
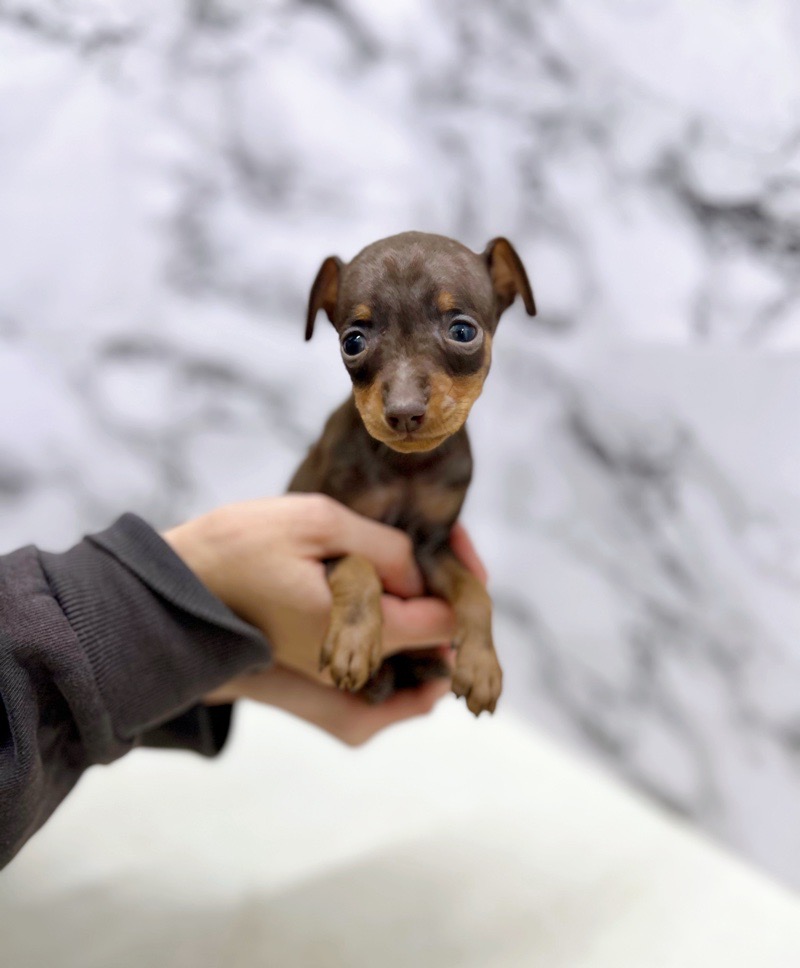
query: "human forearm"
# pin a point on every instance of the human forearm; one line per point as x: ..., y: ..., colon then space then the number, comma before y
x: 103, y: 648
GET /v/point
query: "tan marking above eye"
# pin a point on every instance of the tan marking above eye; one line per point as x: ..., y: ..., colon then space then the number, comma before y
x: 362, y: 312
x: 445, y: 301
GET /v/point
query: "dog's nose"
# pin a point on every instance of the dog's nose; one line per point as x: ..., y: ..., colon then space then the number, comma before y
x: 405, y: 417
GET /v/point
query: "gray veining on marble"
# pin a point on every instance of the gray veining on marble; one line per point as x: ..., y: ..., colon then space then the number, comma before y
x: 171, y: 175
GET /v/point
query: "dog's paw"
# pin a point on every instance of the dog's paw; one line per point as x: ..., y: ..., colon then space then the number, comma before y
x: 353, y: 652
x: 478, y: 678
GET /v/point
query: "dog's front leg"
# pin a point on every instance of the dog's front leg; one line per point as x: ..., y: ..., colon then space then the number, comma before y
x: 352, y: 646
x: 477, y: 675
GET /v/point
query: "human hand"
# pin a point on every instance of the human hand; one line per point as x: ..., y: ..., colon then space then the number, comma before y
x: 264, y: 559
x: 345, y: 715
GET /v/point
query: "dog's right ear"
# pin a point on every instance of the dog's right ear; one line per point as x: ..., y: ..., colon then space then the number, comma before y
x: 508, y: 276
x: 324, y: 292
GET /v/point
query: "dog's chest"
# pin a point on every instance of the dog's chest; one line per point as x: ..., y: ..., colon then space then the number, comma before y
x: 409, y: 504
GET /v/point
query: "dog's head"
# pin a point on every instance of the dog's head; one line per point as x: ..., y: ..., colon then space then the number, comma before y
x: 416, y: 314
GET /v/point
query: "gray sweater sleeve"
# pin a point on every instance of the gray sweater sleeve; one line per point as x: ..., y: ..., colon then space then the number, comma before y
x: 103, y: 648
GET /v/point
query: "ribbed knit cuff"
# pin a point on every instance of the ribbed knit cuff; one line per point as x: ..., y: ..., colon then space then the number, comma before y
x: 155, y: 637
x: 201, y: 729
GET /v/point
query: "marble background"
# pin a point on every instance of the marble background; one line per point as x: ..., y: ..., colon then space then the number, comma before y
x: 171, y: 176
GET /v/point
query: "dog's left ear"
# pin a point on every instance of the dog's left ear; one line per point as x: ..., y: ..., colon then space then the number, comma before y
x: 324, y: 292
x: 508, y: 276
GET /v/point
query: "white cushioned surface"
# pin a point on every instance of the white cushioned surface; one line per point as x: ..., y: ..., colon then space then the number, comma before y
x: 444, y: 842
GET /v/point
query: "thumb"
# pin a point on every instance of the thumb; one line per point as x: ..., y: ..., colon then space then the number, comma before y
x: 388, y: 549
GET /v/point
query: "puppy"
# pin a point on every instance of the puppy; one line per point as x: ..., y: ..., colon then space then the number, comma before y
x: 416, y: 315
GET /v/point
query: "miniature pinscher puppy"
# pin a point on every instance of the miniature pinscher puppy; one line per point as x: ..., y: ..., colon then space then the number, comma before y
x: 415, y: 314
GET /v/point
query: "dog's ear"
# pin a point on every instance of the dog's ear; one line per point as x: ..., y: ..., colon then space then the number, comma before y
x: 508, y: 276
x: 324, y: 292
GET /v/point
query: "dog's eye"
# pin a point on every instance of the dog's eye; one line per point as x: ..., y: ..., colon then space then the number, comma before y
x: 353, y: 344
x: 462, y: 331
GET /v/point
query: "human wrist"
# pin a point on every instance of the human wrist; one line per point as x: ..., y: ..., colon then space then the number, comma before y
x: 154, y: 635
x: 203, y: 545
x: 223, y: 695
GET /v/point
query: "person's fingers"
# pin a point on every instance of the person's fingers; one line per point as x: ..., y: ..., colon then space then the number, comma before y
x: 403, y: 705
x: 343, y: 532
x: 464, y: 550
x: 346, y: 716
x: 448, y: 654
x: 415, y: 622
x: 336, y: 530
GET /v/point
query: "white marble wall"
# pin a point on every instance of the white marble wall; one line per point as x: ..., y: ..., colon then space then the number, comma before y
x: 171, y: 176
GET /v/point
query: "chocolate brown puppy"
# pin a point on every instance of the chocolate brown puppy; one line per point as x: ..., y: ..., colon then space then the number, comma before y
x: 416, y: 315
